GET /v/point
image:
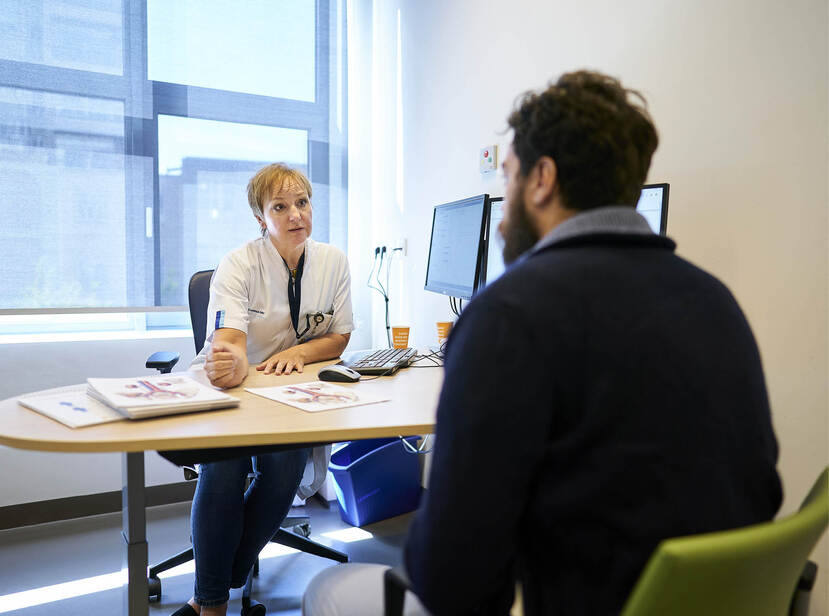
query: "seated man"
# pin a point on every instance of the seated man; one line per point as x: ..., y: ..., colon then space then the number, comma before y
x: 602, y: 395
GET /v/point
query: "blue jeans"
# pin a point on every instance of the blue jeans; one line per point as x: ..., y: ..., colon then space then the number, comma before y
x: 231, y: 525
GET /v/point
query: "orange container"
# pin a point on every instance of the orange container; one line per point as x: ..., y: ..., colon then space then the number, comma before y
x: 443, y: 330
x: 400, y: 336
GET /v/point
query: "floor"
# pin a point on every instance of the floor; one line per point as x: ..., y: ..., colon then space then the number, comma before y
x: 86, y: 554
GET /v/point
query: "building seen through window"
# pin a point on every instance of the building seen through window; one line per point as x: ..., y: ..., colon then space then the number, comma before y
x: 129, y: 131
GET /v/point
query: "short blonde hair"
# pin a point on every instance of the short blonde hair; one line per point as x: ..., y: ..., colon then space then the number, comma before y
x: 269, y: 179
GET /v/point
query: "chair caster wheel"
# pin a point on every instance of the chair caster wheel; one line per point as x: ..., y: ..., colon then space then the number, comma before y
x: 304, y: 530
x: 254, y: 609
x: 154, y: 588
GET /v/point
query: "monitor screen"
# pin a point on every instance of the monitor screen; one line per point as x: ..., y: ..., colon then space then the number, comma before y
x: 456, y: 247
x: 494, y: 264
x: 653, y: 205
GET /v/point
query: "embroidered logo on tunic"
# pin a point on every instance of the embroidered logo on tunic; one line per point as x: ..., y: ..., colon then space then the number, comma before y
x: 220, y: 319
x: 254, y: 310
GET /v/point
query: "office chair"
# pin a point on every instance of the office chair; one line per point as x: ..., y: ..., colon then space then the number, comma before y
x: 198, y: 298
x: 752, y: 571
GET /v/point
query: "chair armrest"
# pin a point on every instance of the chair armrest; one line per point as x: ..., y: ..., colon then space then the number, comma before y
x: 395, y: 585
x: 803, y: 591
x: 163, y: 361
x: 807, y: 577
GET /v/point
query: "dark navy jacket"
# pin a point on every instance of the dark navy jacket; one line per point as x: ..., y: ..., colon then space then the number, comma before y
x: 602, y: 395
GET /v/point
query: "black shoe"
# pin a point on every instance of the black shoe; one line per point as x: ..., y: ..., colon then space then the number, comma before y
x: 254, y: 609
x: 185, y: 610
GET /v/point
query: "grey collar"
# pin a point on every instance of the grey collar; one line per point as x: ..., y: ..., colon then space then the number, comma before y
x: 610, y: 219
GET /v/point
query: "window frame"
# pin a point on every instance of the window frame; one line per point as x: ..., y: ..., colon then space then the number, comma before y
x: 144, y: 100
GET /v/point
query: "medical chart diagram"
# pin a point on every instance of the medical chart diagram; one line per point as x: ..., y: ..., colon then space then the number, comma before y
x: 317, y: 396
x: 173, y: 388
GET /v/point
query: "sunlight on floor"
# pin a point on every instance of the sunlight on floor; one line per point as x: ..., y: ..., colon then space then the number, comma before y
x: 58, y: 592
x: 347, y: 535
x: 108, y: 581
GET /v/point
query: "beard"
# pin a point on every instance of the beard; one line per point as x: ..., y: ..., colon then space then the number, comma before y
x: 519, y: 235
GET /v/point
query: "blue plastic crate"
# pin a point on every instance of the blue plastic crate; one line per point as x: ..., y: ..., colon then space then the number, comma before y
x: 375, y: 479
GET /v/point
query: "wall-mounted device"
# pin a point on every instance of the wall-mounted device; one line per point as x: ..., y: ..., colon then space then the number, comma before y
x: 488, y: 159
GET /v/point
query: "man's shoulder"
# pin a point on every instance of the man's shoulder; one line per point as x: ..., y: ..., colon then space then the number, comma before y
x: 569, y: 259
x: 531, y: 276
x: 563, y: 280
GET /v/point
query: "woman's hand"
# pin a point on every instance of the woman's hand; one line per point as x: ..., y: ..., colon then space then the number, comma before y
x: 226, y: 364
x: 284, y: 362
x: 325, y: 347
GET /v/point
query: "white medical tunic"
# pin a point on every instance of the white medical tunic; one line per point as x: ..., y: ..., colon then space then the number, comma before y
x: 249, y: 292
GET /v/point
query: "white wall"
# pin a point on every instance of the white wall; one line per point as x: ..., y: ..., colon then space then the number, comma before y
x: 29, y: 476
x: 738, y: 91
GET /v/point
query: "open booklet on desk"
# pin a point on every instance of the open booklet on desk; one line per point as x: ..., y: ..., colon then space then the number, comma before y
x: 104, y: 400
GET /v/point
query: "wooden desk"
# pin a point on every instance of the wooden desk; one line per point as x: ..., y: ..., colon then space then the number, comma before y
x: 413, y: 395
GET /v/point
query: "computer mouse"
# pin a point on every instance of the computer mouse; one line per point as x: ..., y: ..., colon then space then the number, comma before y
x: 339, y: 374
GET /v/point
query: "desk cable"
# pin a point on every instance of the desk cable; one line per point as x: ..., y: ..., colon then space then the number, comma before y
x: 381, y: 252
x: 436, y: 357
x: 378, y: 286
x: 420, y: 450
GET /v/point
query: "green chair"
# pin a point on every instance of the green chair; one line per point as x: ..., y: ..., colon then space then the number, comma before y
x: 748, y: 571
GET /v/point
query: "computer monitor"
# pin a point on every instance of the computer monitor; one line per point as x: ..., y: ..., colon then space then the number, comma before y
x: 493, y: 265
x: 653, y: 205
x: 456, y: 247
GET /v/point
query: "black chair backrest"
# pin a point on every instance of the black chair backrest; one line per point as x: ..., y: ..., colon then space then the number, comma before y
x: 198, y: 296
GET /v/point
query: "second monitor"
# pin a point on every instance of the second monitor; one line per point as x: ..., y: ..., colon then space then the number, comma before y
x: 652, y: 204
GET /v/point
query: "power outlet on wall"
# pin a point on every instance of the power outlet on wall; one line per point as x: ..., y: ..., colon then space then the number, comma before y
x: 403, y: 245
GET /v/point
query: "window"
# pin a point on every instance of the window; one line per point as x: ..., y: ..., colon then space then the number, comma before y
x: 204, y: 166
x: 129, y: 130
x: 62, y: 170
x: 205, y: 43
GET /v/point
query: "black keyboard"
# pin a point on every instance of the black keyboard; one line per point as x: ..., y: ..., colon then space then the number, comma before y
x: 381, y: 361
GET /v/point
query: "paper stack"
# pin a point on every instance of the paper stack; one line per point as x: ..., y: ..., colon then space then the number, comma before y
x: 151, y: 396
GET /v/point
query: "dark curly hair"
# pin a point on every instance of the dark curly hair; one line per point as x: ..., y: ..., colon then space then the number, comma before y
x: 601, y: 142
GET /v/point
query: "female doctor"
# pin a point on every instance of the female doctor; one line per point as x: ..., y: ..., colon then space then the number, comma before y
x: 280, y: 301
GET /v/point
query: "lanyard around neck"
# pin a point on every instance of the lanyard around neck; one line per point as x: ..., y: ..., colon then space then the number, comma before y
x: 295, y: 290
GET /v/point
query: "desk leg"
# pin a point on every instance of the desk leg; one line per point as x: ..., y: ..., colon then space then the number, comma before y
x: 134, y: 523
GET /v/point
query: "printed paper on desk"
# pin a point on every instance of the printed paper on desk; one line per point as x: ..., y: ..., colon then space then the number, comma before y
x: 316, y: 396
x: 157, y: 395
x: 154, y: 390
x: 70, y: 406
